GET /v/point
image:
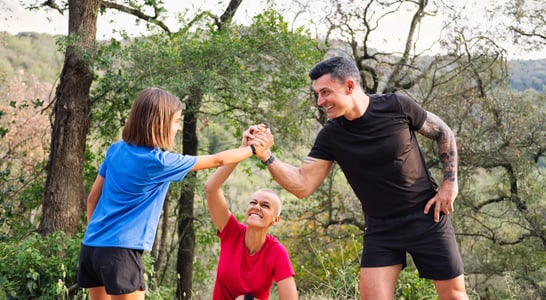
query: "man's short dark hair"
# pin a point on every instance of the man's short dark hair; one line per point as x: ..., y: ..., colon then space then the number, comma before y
x: 339, y: 67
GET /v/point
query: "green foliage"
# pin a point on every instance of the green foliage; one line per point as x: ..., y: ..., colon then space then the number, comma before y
x: 16, y: 216
x: 332, y: 268
x: 335, y: 273
x: 153, y: 290
x: 241, y: 74
x: 412, y: 287
x: 37, y: 267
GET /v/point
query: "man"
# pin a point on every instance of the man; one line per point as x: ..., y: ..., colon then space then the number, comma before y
x: 372, y: 138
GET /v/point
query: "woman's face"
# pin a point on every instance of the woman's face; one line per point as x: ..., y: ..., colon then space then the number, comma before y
x: 175, y: 125
x: 262, y: 210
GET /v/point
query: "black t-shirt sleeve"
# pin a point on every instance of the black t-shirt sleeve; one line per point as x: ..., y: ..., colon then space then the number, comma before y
x: 414, y: 112
x: 320, y: 148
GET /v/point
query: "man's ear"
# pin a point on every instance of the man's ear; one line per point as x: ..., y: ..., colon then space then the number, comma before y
x: 350, y: 85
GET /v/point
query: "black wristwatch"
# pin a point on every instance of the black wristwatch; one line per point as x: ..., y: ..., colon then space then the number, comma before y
x: 269, y: 161
x: 249, y: 297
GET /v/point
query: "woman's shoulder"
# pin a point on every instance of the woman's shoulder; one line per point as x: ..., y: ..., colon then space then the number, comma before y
x: 274, y: 244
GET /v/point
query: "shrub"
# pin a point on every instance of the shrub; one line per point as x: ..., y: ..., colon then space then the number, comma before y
x: 39, y: 267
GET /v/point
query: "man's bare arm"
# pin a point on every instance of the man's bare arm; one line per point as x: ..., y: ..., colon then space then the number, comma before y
x: 302, y: 181
x: 436, y: 129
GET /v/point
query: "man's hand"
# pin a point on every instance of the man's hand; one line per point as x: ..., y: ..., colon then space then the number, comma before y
x: 443, y: 200
x: 260, y: 137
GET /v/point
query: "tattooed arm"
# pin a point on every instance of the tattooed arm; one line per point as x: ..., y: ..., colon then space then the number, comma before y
x: 436, y: 129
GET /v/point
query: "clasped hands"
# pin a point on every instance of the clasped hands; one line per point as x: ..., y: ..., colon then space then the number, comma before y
x: 261, y: 138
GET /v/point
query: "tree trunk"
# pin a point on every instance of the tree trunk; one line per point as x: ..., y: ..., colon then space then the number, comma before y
x: 161, y: 250
x: 186, y: 233
x: 64, y: 194
x: 186, y: 244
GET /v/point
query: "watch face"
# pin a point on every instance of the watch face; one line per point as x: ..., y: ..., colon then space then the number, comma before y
x: 269, y: 160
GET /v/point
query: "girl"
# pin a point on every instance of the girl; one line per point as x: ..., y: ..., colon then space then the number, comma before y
x: 126, y: 199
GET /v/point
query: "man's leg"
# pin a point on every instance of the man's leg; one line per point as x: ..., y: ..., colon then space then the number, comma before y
x: 451, y: 289
x: 378, y: 283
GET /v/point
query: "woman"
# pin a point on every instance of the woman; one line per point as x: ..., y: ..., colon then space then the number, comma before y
x: 250, y: 258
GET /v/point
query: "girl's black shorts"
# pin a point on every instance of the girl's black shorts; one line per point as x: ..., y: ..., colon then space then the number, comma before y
x: 432, y: 245
x: 119, y: 270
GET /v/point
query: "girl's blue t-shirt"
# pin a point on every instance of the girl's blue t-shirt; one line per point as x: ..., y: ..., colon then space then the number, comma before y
x: 136, y: 180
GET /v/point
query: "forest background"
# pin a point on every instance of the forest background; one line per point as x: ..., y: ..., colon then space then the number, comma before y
x: 55, y: 130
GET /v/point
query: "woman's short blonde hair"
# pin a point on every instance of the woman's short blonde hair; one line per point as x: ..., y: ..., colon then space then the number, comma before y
x: 275, y: 197
x: 150, y: 119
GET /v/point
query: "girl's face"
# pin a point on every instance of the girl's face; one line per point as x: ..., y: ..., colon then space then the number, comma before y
x: 175, y: 125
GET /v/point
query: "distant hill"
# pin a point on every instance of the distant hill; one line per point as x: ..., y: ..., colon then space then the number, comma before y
x: 30, y: 53
x: 37, y: 54
x: 528, y: 74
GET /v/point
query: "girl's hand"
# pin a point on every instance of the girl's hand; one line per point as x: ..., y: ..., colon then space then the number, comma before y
x: 262, y: 141
x: 249, y: 134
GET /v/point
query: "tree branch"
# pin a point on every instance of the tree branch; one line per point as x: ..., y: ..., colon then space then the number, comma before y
x: 53, y: 4
x: 137, y: 13
x: 122, y: 8
x: 228, y: 14
x: 528, y: 34
x: 521, y: 206
x: 346, y: 221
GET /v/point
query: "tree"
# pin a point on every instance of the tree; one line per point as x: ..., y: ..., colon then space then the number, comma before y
x: 64, y: 194
x: 525, y: 22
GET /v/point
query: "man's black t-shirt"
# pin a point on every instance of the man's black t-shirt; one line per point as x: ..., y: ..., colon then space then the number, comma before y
x: 380, y: 156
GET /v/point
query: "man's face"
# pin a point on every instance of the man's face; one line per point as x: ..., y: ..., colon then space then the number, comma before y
x: 331, y: 95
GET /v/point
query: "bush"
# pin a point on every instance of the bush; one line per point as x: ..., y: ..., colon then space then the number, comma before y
x: 40, y: 267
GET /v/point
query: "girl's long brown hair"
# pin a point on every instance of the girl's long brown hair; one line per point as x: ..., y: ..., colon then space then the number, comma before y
x: 150, y: 119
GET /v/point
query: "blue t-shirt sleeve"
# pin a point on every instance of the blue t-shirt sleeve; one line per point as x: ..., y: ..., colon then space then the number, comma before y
x: 102, y: 169
x: 168, y: 166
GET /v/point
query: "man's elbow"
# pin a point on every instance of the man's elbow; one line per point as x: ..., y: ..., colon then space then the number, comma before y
x: 300, y: 194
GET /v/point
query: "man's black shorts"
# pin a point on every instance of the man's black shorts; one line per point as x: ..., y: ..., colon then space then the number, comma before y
x: 432, y: 245
x: 119, y: 270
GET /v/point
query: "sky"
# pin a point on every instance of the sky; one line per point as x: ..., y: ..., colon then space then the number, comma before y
x: 14, y: 19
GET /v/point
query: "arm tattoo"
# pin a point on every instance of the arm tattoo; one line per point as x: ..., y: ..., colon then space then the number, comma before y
x: 436, y: 129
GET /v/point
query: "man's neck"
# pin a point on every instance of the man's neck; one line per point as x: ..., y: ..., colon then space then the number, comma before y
x: 360, y: 105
